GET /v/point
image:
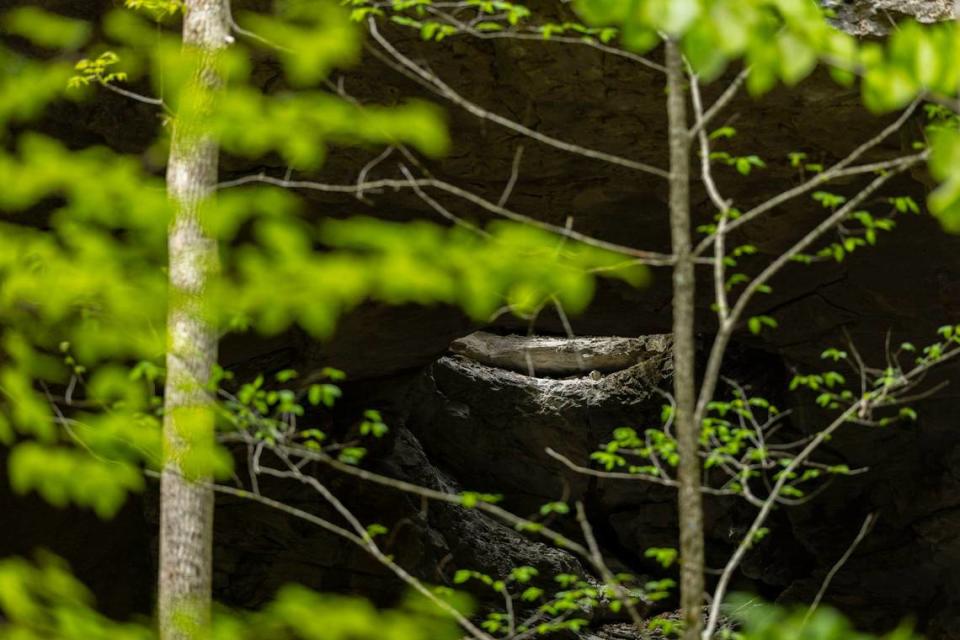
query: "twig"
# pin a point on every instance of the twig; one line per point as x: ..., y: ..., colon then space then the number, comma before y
x: 723, y: 206
x: 439, y: 208
x: 236, y: 28
x: 865, y: 529
x: 605, y: 572
x: 362, y: 176
x: 514, y: 174
x: 722, y: 101
x: 139, y: 97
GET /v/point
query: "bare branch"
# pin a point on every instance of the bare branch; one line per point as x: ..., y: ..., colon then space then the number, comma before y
x: 616, y: 475
x: 362, y: 176
x: 514, y: 175
x: 605, y: 572
x: 139, y: 97
x: 439, y: 208
x: 439, y: 87
x: 723, y: 206
x: 646, y: 257
x: 236, y: 28
x: 718, y: 106
x: 865, y: 529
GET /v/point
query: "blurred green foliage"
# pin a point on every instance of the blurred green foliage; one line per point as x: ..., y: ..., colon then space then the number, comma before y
x: 282, y: 279
x: 315, y: 37
x: 761, y: 621
x: 43, y: 601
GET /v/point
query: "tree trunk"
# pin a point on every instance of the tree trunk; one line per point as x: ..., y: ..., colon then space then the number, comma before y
x: 186, y: 499
x: 684, y: 381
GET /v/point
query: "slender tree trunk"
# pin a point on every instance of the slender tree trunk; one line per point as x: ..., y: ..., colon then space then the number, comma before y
x: 684, y: 380
x: 186, y: 500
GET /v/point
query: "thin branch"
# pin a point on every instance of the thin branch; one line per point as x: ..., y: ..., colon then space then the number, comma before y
x: 615, y: 475
x: 712, y: 191
x: 236, y: 28
x: 860, y: 367
x: 439, y: 87
x: 282, y: 506
x: 514, y: 175
x: 362, y: 176
x: 139, y: 97
x: 723, y: 206
x: 647, y: 257
x: 605, y: 572
x: 718, y: 106
x: 439, y: 208
x: 567, y: 328
x: 865, y: 529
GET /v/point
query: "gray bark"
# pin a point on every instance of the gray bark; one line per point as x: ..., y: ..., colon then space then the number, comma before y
x: 186, y: 500
x: 684, y: 380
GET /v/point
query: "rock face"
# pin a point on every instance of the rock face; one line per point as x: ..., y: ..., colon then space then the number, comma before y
x: 489, y: 427
x: 493, y: 425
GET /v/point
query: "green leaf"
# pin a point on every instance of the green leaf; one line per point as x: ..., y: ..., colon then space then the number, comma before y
x: 907, y: 413
x: 757, y: 323
x: 285, y: 376
x: 664, y: 556
x: 723, y: 132
x: 531, y: 594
